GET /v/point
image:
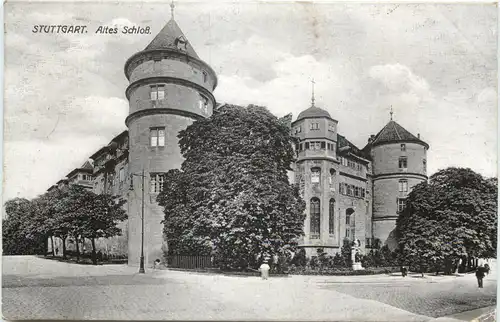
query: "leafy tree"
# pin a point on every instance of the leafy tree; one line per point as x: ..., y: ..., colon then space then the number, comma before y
x: 16, y: 238
x: 451, y: 217
x: 232, y: 197
x: 89, y: 215
x: 346, y: 250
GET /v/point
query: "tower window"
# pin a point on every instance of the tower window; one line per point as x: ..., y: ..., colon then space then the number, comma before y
x: 424, y: 164
x: 315, y: 175
x: 205, y: 76
x: 315, y: 218
x: 401, y: 204
x: 314, y: 126
x: 403, y: 147
x: 403, y: 186
x: 157, y: 92
x: 403, y: 163
x: 203, y: 103
x: 157, y: 136
x: 157, y: 182
x: 331, y: 217
x: 331, y: 127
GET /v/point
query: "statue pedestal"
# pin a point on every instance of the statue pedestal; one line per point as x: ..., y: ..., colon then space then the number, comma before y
x: 357, y: 266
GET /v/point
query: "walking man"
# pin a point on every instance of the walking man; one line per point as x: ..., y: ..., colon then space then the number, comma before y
x: 480, y: 276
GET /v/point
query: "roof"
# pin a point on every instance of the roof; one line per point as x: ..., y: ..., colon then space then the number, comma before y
x: 393, y: 133
x: 99, y: 152
x: 87, y: 165
x: 313, y: 111
x: 172, y: 38
x: 79, y: 170
x: 342, y: 142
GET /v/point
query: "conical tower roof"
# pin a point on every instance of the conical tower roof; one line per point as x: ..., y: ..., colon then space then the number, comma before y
x: 393, y: 133
x: 172, y: 38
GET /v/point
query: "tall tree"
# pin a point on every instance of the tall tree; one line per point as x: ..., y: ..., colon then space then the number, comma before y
x: 16, y: 237
x: 232, y: 197
x: 451, y: 217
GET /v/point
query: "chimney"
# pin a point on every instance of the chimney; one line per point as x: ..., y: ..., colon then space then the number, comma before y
x: 370, y: 139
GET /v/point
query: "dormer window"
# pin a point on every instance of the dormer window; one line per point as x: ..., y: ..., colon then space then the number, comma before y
x: 314, y: 126
x: 181, y: 43
x: 157, y: 92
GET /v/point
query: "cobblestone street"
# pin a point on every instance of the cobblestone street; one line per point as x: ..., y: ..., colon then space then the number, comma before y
x: 35, y: 288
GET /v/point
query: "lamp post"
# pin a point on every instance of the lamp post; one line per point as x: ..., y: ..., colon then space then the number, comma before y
x: 141, y: 267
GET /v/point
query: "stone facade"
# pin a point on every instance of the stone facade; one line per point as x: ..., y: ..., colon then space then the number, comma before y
x: 349, y: 192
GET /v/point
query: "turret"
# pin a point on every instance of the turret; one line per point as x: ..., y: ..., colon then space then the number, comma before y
x: 170, y: 87
x: 399, y: 163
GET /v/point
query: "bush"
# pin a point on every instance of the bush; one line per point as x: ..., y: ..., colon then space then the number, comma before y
x: 342, y: 271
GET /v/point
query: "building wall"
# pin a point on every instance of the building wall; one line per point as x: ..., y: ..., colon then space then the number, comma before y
x: 386, y: 189
x: 152, y: 160
x: 185, y: 82
x: 173, y: 66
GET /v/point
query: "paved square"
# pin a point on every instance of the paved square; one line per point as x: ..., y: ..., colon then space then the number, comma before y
x: 35, y: 288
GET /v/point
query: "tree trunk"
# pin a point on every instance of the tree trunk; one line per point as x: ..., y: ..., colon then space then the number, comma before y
x: 64, y: 246
x: 77, y: 249
x: 94, y: 255
x: 53, y: 249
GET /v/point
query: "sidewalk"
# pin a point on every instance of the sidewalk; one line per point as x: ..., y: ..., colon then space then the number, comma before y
x: 485, y: 314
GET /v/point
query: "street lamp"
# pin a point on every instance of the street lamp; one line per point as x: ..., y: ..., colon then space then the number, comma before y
x: 141, y: 267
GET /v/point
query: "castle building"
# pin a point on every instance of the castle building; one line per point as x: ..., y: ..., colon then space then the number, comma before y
x: 353, y: 193
x: 350, y: 192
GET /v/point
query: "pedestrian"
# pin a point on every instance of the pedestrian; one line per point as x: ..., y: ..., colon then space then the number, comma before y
x: 57, y: 251
x: 264, y: 269
x: 404, y: 271
x: 480, y: 276
x: 487, y: 269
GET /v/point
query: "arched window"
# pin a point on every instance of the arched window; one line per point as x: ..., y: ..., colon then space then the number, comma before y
x: 350, y: 225
x: 314, y: 214
x: 331, y: 217
x: 315, y: 175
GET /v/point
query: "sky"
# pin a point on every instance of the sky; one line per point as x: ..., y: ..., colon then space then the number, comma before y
x: 436, y: 65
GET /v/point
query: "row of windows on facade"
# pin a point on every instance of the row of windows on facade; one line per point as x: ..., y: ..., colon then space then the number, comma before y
x: 156, y: 180
x: 157, y: 93
x: 315, y: 126
x: 315, y: 220
x: 403, y: 163
x: 352, y: 190
x: 314, y: 145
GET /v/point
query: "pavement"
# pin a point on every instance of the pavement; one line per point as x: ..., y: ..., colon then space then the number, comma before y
x: 35, y: 288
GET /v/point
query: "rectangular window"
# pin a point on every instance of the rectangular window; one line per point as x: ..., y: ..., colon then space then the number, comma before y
x: 315, y: 174
x: 424, y: 164
x: 323, y: 145
x: 403, y: 147
x: 350, y: 189
x: 203, y: 103
x: 122, y: 175
x: 401, y: 204
x: 342, y: 188
x: 314, y: 126
x: 331, y: 128
x: 157, y: 181
x: 157, y: 92
x: 307, y: 145
x: 403, y: 186
x: 157, y: 136
x: 204, y: 76
x: 403, y: 163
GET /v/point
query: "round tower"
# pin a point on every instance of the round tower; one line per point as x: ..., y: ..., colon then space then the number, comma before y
x: 399, y: 162
x: 170, y: 87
